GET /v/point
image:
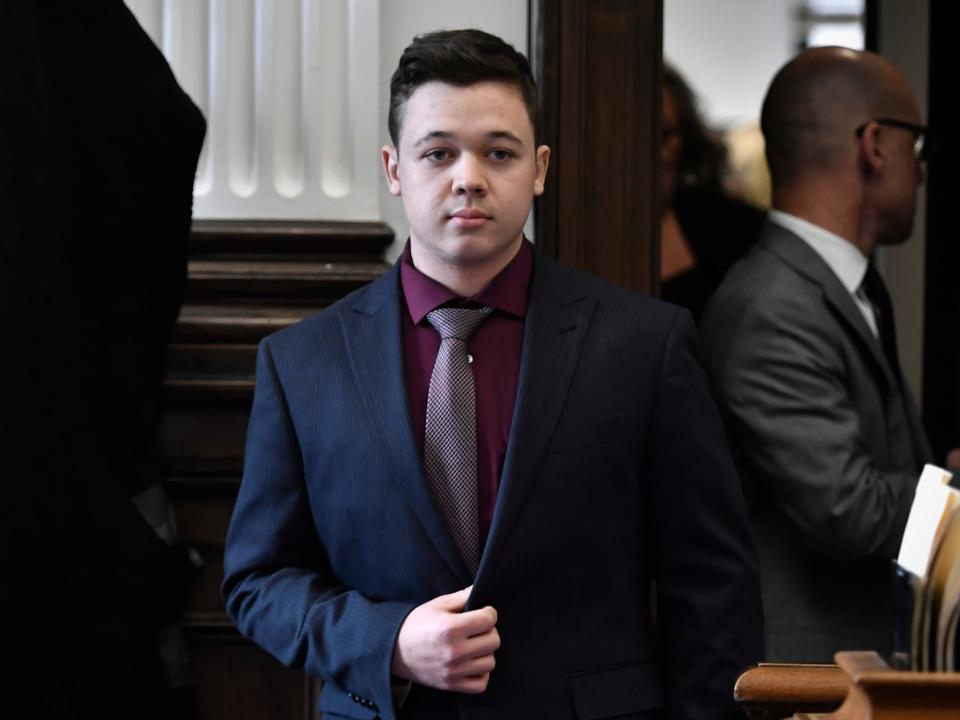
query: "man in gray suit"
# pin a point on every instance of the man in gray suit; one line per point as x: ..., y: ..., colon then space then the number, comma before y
x: 800, y: 349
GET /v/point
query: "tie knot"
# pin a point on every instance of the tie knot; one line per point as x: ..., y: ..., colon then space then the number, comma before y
x: 459, y: 323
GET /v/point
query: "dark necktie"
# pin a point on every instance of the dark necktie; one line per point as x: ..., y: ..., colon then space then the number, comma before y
x: 450, y: 440
x: 876, y: 292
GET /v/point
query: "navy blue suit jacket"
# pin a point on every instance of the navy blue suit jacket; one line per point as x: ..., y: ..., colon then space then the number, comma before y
x: 616, y: 481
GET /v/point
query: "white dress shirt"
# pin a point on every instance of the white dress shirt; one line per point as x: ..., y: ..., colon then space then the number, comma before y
x: 841, y: 256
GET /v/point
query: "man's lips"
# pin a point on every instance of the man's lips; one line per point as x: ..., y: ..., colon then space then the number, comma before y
x: 469, y: 217
x: 470, y: 214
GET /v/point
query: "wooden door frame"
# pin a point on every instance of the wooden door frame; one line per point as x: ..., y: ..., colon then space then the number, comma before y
x: 598, y: 64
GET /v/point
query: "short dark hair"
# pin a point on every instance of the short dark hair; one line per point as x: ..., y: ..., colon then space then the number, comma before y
x: 458, y: 57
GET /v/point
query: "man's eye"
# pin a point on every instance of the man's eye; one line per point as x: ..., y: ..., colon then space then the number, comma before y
x: 437, y: 155
x: 500, y: 154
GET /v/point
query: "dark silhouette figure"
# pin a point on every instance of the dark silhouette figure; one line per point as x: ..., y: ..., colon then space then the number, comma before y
x: 98, y: 150
x: 703, y: 230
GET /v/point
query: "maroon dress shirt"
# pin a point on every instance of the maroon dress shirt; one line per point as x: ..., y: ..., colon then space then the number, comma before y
x: 495, y: 347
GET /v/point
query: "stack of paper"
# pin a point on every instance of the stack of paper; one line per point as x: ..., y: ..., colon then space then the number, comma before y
x: 927, y: 576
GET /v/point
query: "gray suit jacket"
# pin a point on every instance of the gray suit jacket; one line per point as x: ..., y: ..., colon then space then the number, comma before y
x: 828, y: 445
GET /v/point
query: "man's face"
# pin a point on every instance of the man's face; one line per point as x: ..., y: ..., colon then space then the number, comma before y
x: 467, y: 171
x: 904, y: 176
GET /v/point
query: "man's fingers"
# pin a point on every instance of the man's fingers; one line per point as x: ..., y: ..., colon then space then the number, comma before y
x: 492, y: 612
x: 470, y: 649
x: 453, y: 602
x: 483, y: 644
x: 441, y: 646
x: 475, y: 622
x: 471, y: 685
x: 482, y: 665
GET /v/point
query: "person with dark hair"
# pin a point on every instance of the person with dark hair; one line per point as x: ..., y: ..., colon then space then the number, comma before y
x: 703, y: 230
x: 799, y: 344
x: 467, y: 484
x: 459, y: 58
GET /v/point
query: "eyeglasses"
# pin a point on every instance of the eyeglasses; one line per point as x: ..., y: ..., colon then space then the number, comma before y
x: 920, y: 145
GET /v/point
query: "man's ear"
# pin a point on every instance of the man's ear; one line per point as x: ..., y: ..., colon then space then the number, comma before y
x: 543, y: 162
x: 388, y: 153
x: 873, y: 154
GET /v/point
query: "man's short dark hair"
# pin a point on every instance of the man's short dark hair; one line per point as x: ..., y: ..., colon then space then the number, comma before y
x: 461, y: 58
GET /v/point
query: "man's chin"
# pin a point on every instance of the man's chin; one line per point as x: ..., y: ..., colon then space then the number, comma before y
x: 896, y: 238
x: 896, y: 227
x: 467, y: 248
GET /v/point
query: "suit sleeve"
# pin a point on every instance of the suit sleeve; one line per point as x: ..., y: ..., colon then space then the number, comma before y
x: 782, y: 382
x: 278, y: 585
x: 708, y: 608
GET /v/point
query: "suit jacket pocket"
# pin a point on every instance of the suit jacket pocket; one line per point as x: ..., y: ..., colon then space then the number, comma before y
x: 571, y: 436
x: 617, y: 691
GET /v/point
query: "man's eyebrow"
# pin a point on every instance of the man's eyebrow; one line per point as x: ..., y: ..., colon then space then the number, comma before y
x: 504, y: 135
x: 434, y: 135
x: 445, y: 135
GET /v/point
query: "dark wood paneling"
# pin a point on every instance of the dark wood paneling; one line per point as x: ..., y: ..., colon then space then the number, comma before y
x: 335, y: 240
x: 237, y: 680
x: 209, y: 359
x: 203, y: 440
x: 296, y: 281
x: 212, y: 323
x: 246, y: 280
x: 598, y: 64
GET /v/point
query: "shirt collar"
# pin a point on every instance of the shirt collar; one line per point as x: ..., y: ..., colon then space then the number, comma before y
x: 507, y: 292
x: 841, y: 256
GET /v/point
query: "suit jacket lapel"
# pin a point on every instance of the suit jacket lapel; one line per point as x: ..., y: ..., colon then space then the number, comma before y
x: 800, y: 256
x: 558, y: 316
x: 374, y: 341
x: 805, y: 260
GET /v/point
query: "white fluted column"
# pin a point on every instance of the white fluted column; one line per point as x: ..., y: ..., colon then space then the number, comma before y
x: 289, y: 89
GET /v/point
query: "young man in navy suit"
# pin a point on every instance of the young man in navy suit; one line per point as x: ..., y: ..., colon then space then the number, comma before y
x: 603, y: 566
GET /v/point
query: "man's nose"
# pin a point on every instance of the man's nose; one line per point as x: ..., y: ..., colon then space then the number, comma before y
x: 469, y: 178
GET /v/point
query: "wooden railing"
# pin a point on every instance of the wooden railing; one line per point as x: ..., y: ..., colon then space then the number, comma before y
x: 861, y: 686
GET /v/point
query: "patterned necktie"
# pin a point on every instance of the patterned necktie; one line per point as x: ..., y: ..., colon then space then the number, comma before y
x: 876, y: 292
x: 450, y: 440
